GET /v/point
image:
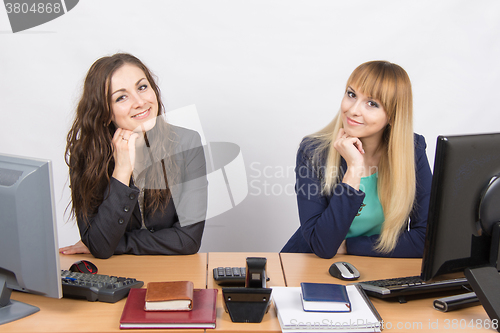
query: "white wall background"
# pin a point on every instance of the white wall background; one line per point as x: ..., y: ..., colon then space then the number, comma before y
x: 262, y: 74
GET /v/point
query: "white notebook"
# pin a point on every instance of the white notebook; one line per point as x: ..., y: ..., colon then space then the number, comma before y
x: 362, y: 318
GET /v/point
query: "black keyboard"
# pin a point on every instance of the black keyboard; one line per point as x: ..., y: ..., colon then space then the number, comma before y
x: 96, y: 287
x: 230, y: 276
x: 410, y: 285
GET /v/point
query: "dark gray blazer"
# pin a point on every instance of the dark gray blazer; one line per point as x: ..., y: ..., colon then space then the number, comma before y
x: 116, y: 226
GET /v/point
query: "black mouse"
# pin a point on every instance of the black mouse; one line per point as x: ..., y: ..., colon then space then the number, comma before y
x: 84, y: 266
x: 343, y: 270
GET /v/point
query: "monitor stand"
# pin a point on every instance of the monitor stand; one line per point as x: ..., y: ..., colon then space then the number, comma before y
x: 485, y: 281
x: 11, y: 310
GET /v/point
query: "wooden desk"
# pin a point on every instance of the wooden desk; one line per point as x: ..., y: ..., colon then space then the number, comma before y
x: 417, y: 314
x: 70, y: 315
x: 238, y: 259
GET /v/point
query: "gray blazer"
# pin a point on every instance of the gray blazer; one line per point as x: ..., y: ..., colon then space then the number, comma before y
x: 116, y: 227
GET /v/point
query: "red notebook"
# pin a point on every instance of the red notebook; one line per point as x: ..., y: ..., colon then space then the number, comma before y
x: 202, y: 315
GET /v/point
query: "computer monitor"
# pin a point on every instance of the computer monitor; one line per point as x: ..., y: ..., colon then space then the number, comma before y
x: 457, y: 236
x: 29, y: 259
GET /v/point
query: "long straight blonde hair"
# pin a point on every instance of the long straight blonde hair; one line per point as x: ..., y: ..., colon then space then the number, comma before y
x: 389, y: 84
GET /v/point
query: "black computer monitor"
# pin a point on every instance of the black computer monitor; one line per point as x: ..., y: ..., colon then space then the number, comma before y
x: 29, y: 259
x: 458, y: 237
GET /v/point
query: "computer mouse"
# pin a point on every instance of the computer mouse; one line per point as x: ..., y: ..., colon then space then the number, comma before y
x: 343, y: 270
x: 84, y: 266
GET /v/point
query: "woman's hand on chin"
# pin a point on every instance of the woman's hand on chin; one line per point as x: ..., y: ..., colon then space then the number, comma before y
x: 124, y: 154
x: 351, y: 149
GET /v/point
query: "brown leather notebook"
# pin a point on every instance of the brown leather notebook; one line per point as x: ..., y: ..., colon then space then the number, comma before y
x: 169, y: 296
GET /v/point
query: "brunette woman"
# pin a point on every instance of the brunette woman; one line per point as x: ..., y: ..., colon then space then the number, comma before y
x: 138, y: 184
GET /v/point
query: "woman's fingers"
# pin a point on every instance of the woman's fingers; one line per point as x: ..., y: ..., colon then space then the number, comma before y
x: 344, y: 140
x: 77, y: 248
x: 122, y: 136
x: 132, y: 138
x: 350, y: 148
x: 358, y: 144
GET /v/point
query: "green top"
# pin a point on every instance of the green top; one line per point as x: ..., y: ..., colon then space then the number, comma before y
x: 370, y: 217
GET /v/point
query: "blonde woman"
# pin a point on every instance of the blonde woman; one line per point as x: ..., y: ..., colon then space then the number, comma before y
x: 363, y: 182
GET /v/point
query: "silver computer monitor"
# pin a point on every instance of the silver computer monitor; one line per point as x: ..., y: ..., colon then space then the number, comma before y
x: 29, y: 259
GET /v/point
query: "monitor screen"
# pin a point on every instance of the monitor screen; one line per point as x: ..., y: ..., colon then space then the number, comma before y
x: 463, y: 167
x: 29, y: 259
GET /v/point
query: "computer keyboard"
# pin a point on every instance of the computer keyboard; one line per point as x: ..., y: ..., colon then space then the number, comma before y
x: 96, y: 287
x: 410, y: 285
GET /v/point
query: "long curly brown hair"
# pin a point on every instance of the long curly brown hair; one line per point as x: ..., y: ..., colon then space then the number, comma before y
x: 89, y: 149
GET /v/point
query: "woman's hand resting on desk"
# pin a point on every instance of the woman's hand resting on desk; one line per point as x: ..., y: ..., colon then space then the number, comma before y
x: 78, y: 248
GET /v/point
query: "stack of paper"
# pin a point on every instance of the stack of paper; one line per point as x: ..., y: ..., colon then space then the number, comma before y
x: 362, y: 318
